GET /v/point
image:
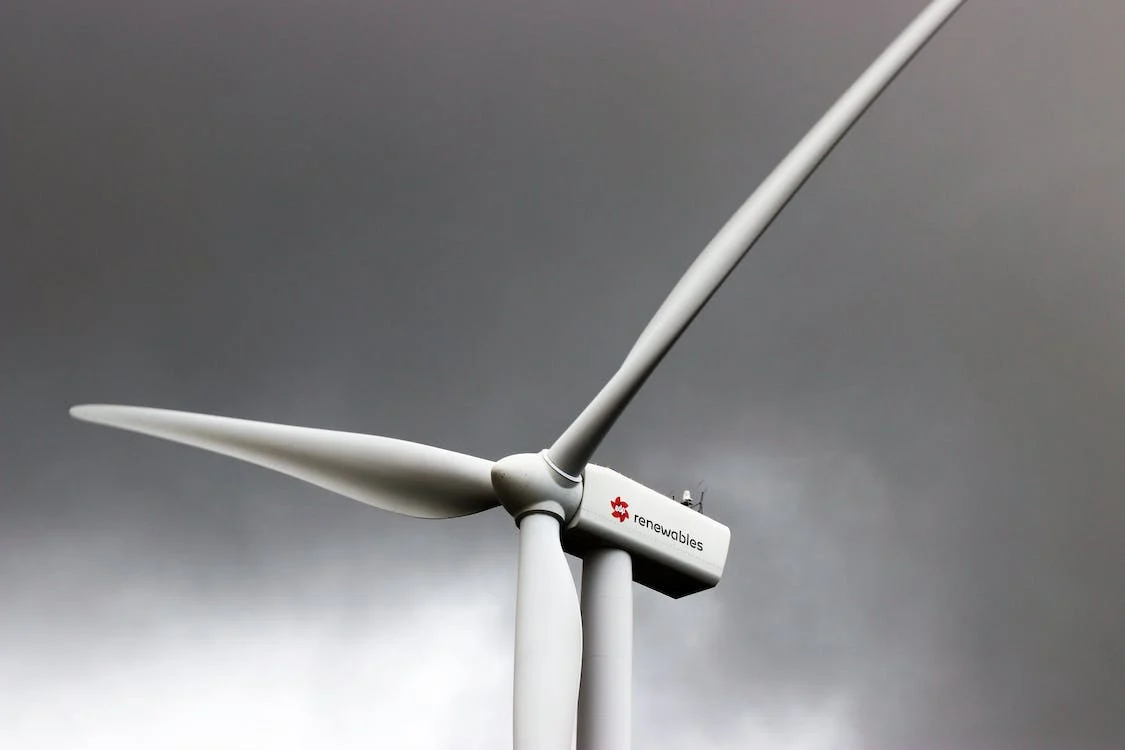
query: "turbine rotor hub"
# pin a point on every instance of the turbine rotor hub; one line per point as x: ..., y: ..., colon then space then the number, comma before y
x: 528, y: 483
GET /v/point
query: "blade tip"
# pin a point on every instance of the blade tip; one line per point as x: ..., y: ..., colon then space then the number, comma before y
x: 82, y: 411
x: 90, y: 412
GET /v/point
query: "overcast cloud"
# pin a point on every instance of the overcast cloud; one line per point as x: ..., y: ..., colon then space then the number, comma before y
x: 446, y: 222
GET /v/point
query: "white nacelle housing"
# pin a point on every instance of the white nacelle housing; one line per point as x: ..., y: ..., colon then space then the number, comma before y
x: 676, y: 550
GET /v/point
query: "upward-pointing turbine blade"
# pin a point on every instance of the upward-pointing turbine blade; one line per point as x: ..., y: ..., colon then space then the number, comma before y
x: 548, y: 661
x: 395, y: 475
x: 577, y: 444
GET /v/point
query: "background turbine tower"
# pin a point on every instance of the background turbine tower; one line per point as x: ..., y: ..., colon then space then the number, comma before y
x: 558, y: 499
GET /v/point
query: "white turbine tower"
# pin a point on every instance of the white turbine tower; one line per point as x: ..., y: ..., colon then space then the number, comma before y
x: 623, y: 531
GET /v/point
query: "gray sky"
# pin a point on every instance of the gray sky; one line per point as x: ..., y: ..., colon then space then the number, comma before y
x: 446, y: 222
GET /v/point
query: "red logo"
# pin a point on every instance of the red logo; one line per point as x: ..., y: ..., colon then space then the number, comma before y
x: 619, y: 509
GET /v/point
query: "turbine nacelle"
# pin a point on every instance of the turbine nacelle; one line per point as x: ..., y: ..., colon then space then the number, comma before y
x: 676, y: 551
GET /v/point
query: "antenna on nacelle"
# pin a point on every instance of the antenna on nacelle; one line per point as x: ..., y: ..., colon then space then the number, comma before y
x: 687, y: 501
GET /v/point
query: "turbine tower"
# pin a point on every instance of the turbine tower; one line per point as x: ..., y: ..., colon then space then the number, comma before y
x: 573, y: 662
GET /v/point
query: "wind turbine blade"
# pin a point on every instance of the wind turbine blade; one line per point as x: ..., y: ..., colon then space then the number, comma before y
x: 395, y: 475
x: 548, y: 661
x: 577, y: 444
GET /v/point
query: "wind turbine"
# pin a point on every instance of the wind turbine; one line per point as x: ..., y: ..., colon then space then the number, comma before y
x: 623, y: 531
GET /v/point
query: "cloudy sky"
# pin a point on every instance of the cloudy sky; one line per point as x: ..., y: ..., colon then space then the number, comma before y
x: 446, y: 222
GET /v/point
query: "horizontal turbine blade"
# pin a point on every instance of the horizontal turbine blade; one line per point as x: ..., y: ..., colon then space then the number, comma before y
x: 577, y: 444
x: 395, y: 475
x: 548, y: 663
